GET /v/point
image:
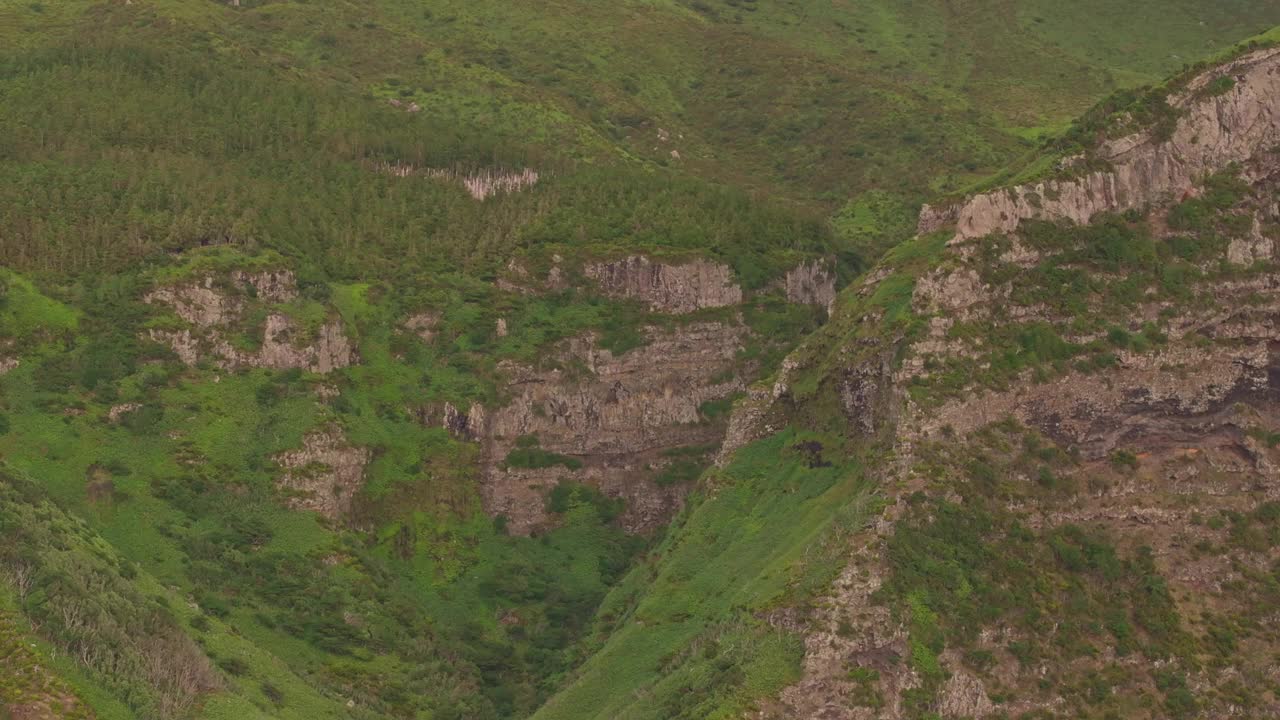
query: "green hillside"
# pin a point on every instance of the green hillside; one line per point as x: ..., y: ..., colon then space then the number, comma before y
x: 822, y: 108
x: 157, y: 557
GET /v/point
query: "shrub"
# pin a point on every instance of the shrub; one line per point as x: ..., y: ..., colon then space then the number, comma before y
x: 233, y: 666
x: 678, y: 472
x: 1124, y: 459
x: 1219, y: 86
x: 273, y: 693
x: 567, y: 494
x: 537, y: 458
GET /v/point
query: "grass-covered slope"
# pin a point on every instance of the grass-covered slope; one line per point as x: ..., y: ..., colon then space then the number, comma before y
x: 686, y: 634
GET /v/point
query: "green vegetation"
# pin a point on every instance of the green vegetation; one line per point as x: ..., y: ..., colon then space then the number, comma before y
x: 680, y: 635
x: 151, y: 551
x: 79, y: 592
x: 527, y: 454
x: 1126, y: 110
x: 28, y: 316
x: 1068, y: 597
x: 23, y: 680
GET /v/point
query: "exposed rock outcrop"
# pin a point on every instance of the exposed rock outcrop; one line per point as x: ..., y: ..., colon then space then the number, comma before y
x: 747, y: 423
x: 198, y: 303
x: 267, y: 285
x: 329, y: 349
x: 479, y: 184
x: 117, y: 412
x: 950, y: 292
x: 811, y: 283
x: 667, y: 288
x: 468, y: 426
x: 423, y: 325
x: 1099, y: 413
x: 1254, y: 247
x: 324, y: 474
x: 1212, y: 132
x: 618, y: 416
x: 868, y: 394
x: 1161, y: 433
x: 211, y: 309
x: 518, y: 278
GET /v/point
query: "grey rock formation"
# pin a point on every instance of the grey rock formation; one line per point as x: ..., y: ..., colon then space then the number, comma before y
x: 616, y: 415
x: 1211, y: 133
x: 423, y: 325
x: 468, y: 426
x: 210, y: 309
x: 116, y: 412
x: 667, y: 288
x: 1254, y: 247
x: 811, y: 283
x: 324, y: 474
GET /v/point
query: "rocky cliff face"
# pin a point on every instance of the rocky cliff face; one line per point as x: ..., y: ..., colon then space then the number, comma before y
x: 620, y: 421
x: 811, y: 283
x: 1211, y: 132
x: 667, y: 288
x: 636, y: 426
x: 211, y: 306
x: 1161, y: 433
x: 324, y: 474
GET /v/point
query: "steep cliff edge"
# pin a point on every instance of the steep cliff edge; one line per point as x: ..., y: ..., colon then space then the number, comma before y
x: 1222, y: 116
x: 1071, y: 390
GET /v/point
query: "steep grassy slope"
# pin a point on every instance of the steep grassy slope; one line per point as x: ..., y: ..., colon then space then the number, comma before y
x: 193, y: 197
x: 685, y: 634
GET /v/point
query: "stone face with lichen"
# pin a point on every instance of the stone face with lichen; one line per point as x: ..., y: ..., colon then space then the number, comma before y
x: 811, y: 283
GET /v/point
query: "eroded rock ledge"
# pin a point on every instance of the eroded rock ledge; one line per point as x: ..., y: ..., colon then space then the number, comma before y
x: 324, y: 474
